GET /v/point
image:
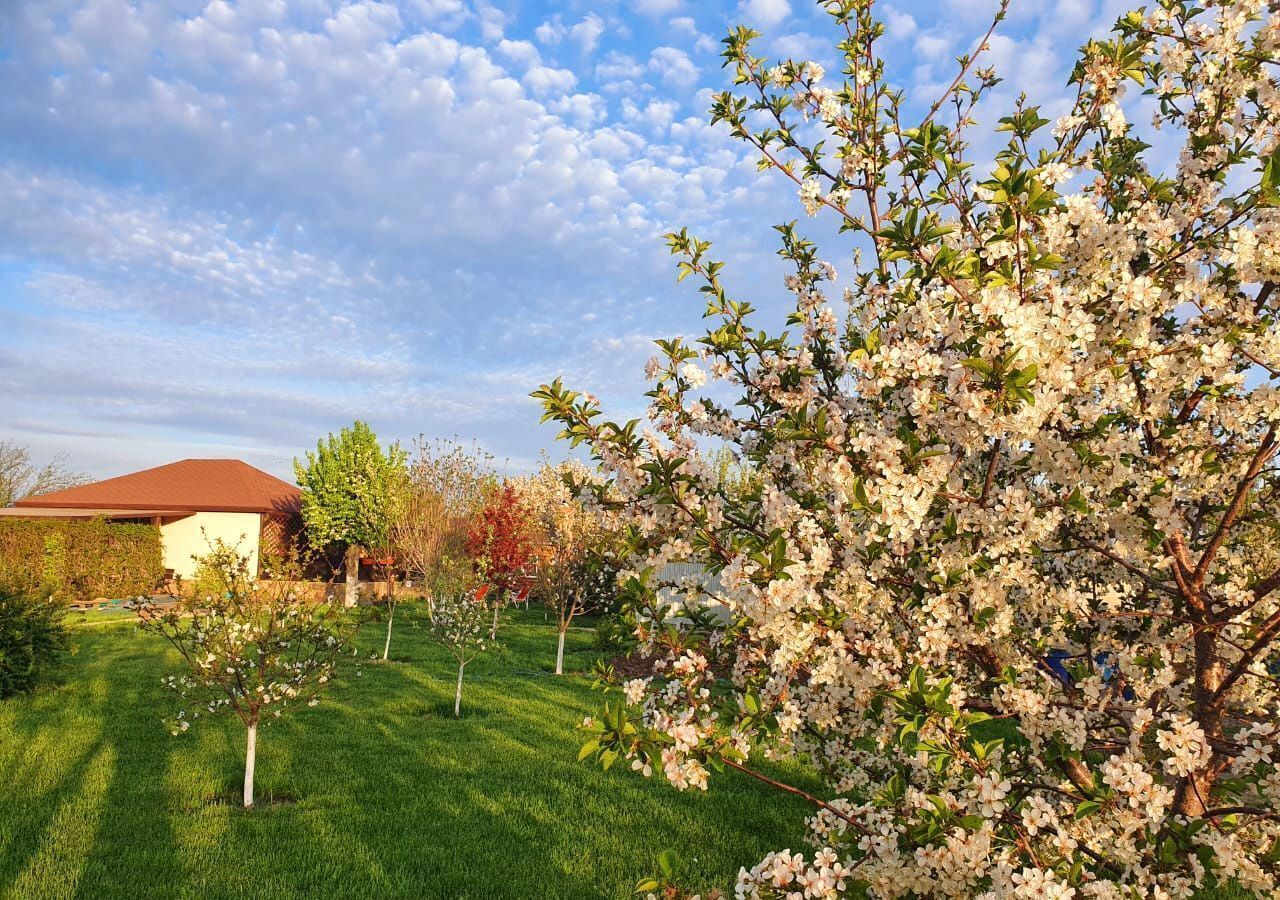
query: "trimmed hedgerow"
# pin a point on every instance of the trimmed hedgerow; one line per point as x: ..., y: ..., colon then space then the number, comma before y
x: 81, y: 559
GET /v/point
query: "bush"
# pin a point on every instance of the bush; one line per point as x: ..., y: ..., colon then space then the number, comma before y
x: 81, y: 560
x: 614, y: 634
x: 33, y: 638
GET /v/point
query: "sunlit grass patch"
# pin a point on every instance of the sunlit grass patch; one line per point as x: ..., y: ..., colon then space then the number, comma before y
x: 377, y: 792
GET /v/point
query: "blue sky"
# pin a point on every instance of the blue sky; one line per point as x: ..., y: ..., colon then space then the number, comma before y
x: 229, y: 228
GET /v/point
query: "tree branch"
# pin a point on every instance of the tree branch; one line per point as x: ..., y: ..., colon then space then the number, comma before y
x: 822, y: 804
x: 1260, y: 458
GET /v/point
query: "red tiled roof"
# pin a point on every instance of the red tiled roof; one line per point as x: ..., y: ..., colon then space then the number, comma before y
x: 204, y: 485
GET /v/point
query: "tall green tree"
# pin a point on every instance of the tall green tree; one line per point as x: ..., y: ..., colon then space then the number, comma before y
x: 350, y: 489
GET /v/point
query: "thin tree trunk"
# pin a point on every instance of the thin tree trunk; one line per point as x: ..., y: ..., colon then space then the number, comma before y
x: 560, y: 655
x: 493, y: 631
x: 391, y: 617
x: 457, y: 697
x: 250, y: 757
x: 353, y: 575
x: 1195, y: 792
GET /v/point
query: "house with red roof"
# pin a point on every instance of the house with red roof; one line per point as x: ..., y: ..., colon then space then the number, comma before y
x: 193, y: 501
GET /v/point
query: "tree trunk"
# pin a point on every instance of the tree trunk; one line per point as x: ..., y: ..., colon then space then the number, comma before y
x: 391, y: 617
x: 250, y: 757
x: 457, y: 697
x: 353, y: 576
x: 1195, y: 793
x: 560, y: 655
x: 493, y: 631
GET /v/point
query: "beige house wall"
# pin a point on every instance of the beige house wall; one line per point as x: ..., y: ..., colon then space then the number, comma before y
x: 192, y: 536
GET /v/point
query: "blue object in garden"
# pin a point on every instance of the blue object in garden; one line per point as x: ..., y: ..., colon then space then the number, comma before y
x: 1055, y: 662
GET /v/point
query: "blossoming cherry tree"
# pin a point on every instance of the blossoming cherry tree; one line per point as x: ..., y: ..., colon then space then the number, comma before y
x: 1007, y: 577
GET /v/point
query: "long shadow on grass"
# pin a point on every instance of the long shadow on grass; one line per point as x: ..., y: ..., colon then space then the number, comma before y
x: 421, y: 833
x: 21, y: 850
x: 132, y: 727
x: 502, y: 786
x: 62, y: 845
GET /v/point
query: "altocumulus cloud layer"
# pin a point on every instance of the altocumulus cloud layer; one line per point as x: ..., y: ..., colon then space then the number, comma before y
x: 226, y: 228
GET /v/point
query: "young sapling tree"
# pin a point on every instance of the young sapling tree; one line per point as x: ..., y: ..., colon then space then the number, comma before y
x: 445, y: 489
x: 571, y: 544
x: 250, y: 653
x: 458, y: 622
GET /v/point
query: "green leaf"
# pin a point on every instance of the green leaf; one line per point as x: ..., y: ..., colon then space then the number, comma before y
x: 667, y: 861
x: 1269, y: 189
x: 1086, y: 808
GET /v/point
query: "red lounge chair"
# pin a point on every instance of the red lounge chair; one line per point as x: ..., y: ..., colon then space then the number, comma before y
x: 522, y: 596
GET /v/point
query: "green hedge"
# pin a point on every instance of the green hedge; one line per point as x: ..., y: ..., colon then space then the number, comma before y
x: 81, y: 559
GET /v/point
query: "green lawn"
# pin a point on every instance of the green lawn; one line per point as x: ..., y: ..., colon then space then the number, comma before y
x: 378, y: 792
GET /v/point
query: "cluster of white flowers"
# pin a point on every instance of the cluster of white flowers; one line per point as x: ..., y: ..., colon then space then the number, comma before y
x: 1032, y: 476
x: 461, y: 623
x: 790, y: 875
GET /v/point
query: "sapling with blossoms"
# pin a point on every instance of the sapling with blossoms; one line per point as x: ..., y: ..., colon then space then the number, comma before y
x: 458, y: 622
x: 1005, y: 574
x: 446, y: 488
x: 251, y: 652
x: 572, y: 544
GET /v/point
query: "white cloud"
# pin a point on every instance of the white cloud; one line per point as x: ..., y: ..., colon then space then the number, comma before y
x: 656, y: 7
x: 493, y: 23
x: 932, y: 49
x: 583, y: 110
x: 687, y: 26
x: 521, y: 52
x: 362, y: 24
x: 618, y: 67
x: 585, y: 33
x: 546, y: 80
x: 441, y: 13
x: 657, y: 114
x: 673, y: 66
x: 899, y: 25
x: 763, y: 13
x: 801, y: 46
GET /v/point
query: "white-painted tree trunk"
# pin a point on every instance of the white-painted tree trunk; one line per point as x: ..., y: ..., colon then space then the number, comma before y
x: 560, y: 655
x: 391, y: 617
x: 353, y: 576
x: 250, y: 757
x: 457, y: 697
x: 493, y: 631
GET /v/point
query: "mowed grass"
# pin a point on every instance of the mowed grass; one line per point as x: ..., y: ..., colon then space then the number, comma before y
x: 377, y: 792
